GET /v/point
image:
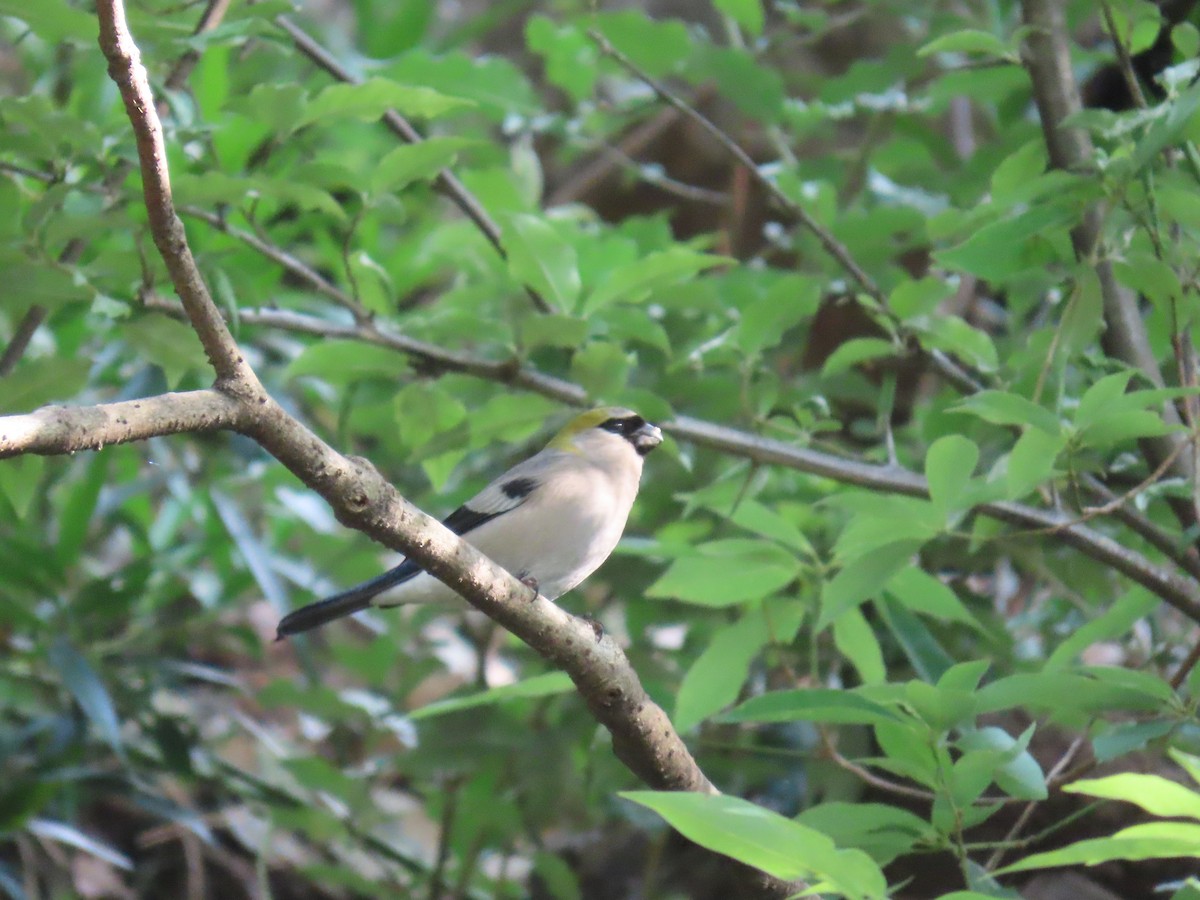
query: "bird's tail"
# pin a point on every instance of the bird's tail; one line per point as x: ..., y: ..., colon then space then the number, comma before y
x: 349, y: 601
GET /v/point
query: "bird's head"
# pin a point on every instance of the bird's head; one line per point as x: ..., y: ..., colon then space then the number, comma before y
x: 608, y: 429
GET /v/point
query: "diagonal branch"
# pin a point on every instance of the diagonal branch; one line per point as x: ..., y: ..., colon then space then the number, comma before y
x: 1166, y: 582
x: 642, y: 734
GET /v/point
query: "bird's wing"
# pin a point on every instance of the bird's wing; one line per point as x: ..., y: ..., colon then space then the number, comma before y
x: 502, y: 496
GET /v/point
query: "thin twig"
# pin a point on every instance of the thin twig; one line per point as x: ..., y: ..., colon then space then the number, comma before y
x: 30, y: 322
x: 1027, y: 812
x: 1186, y: 666
x: 1124, y: 60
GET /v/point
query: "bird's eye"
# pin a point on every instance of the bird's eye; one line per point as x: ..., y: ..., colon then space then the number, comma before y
x: 625, y: 426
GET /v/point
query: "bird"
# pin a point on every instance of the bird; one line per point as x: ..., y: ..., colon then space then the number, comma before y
x: 550, y: 520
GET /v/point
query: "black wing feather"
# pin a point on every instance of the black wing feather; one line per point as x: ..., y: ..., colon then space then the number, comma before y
x: 494, y: 500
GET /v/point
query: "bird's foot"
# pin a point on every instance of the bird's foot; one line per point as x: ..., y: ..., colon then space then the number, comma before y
x: 530, y: 582
x: 597, y: 628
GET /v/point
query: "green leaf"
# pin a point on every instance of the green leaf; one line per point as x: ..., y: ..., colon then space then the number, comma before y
x: 1002, y: 408
x: 884, y: 832
x: 343, y: 362
x: 949, y: 465
x: 747, y: 13
x: 1156, y: 840
x: 1017, y: 772
x: 1066, y: 692
x: 415, y: 162
x: 601, y: 368
x: 635, y: 282
x: 863, y: 578
x: 375, y: 96
x: 36, y: 382
x: 923, y: 593
x: 1175, y: 116
x: 853, y: 637
x: 568, y: 55
x: 89, y: 691
x: 1010, y: 247
x: 855, y: 351
x: 928, y: 657
x: 969, y: 40
x: 169, y: 345
x: 715, y: 679
x: 541, y: 258
x: 812, y: 705
x: 549, y: 684
x: 425, y: 411
x: 1153, y: 793
x: 953, y: 335
x: 552, y: 330
x: 1150, y: 276
x: 765, y: 321
x: 1032, y: 461
x: 20, y: 481
x: 53, y: 21
x: 921, y: 297
x: 657, y: 45
x: 766, y: 840
x: 727, y: 572
x: 1117, y: 621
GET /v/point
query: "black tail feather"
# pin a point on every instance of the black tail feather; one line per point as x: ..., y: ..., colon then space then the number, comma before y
x: 349, y: 601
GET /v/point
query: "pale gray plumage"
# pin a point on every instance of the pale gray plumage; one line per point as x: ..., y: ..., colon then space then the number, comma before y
x: 550, y: 520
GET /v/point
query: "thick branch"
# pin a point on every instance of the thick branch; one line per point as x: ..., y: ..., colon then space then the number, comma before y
x: 54, y: 430
x: 126, y: 69
x: 643, y: 737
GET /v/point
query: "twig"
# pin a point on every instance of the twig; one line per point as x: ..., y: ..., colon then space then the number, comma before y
x: 446, y: 182
x: 1027, y: 812
x: 213, y: 13
x: 1124, y: 60
x: 946, y: 367
x: 30, y: 322
x: 278, y: 255
x: 1186, y: 666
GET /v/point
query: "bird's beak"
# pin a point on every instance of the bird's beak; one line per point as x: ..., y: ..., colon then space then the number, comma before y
x: 647, y: 438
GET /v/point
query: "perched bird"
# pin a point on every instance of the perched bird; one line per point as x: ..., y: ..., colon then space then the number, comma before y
x: 550, y: 520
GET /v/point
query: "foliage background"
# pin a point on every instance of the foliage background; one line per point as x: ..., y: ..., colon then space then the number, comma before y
x: 155, y: 742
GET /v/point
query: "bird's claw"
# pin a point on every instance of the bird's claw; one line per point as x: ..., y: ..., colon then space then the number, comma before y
x: 530, y: 582
x: 597, y: 628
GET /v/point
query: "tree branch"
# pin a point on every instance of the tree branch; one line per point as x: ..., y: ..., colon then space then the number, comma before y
x: 126, y: 70
x: 1173, y: 588
x: 642, y: 734
x: 54, y: 430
